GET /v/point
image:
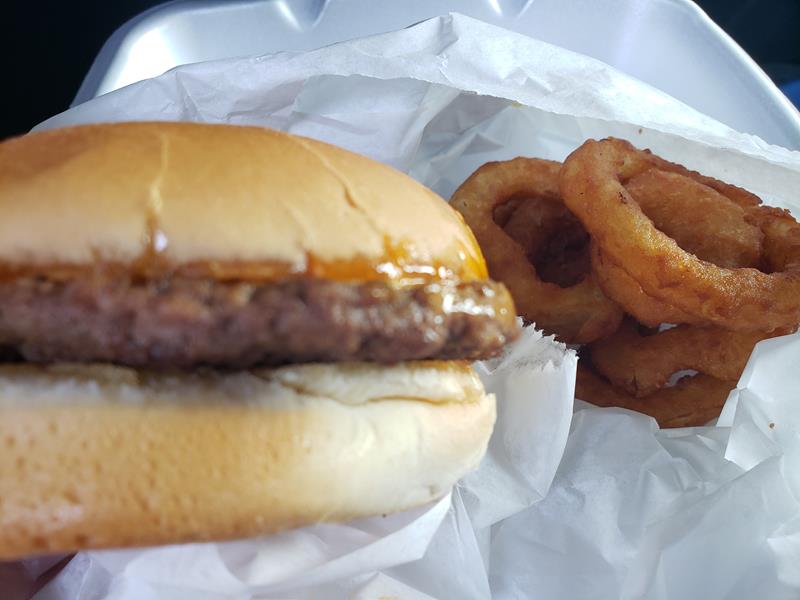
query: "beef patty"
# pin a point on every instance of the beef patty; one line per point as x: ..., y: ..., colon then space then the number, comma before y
x: 181, y: 322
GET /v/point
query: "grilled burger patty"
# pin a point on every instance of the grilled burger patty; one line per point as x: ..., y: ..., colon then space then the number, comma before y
x: 181, y: 322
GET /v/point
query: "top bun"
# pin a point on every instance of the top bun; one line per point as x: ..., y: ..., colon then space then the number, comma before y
x: 230, y: 201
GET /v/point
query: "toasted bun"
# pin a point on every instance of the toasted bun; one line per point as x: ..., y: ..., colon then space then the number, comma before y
x: 97, y: 456
x: 239, y: 202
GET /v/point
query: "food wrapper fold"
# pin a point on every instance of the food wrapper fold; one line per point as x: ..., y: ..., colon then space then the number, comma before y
x: 599, y: 504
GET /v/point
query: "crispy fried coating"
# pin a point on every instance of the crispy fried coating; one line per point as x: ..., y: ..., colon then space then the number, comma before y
x: 744, y: 299
x: 580, y: 313
x: 692, y: 401
x: 642, y: 364
x: 701, y: 220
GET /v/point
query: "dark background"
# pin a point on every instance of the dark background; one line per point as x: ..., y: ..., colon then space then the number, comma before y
x: 62, y: 38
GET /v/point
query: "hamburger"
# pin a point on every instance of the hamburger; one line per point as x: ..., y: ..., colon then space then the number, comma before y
x: 210, y: 332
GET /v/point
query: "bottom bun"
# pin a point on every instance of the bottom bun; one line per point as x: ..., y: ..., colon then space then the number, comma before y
x: 98, y: 456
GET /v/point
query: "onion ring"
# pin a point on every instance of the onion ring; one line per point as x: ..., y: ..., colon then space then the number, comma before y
x: 744, y: 299
x: 641, y: 365
x: 623, y: 289
x: 692, y: 401
x: 737, y: 195
x: 671, y: 201
x: 577, y: 314
x: 701, y: 220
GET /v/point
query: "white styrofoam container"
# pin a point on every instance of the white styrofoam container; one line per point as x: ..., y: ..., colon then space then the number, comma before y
x: 670, y: 44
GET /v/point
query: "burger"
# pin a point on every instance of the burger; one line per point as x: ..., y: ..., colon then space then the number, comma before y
x: 210, y: 332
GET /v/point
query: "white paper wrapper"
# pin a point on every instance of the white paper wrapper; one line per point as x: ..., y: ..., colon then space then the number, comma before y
x: 633, y: 511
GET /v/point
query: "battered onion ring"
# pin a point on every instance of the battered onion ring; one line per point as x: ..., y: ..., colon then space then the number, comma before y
x: 578, y: 314
x: 692, y: 401
x: 737, y: 195
x: 722, y: 236
x: 623, y: 289
x: 741, y: 299
x: 641, y: 365
x: 701, y: 220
